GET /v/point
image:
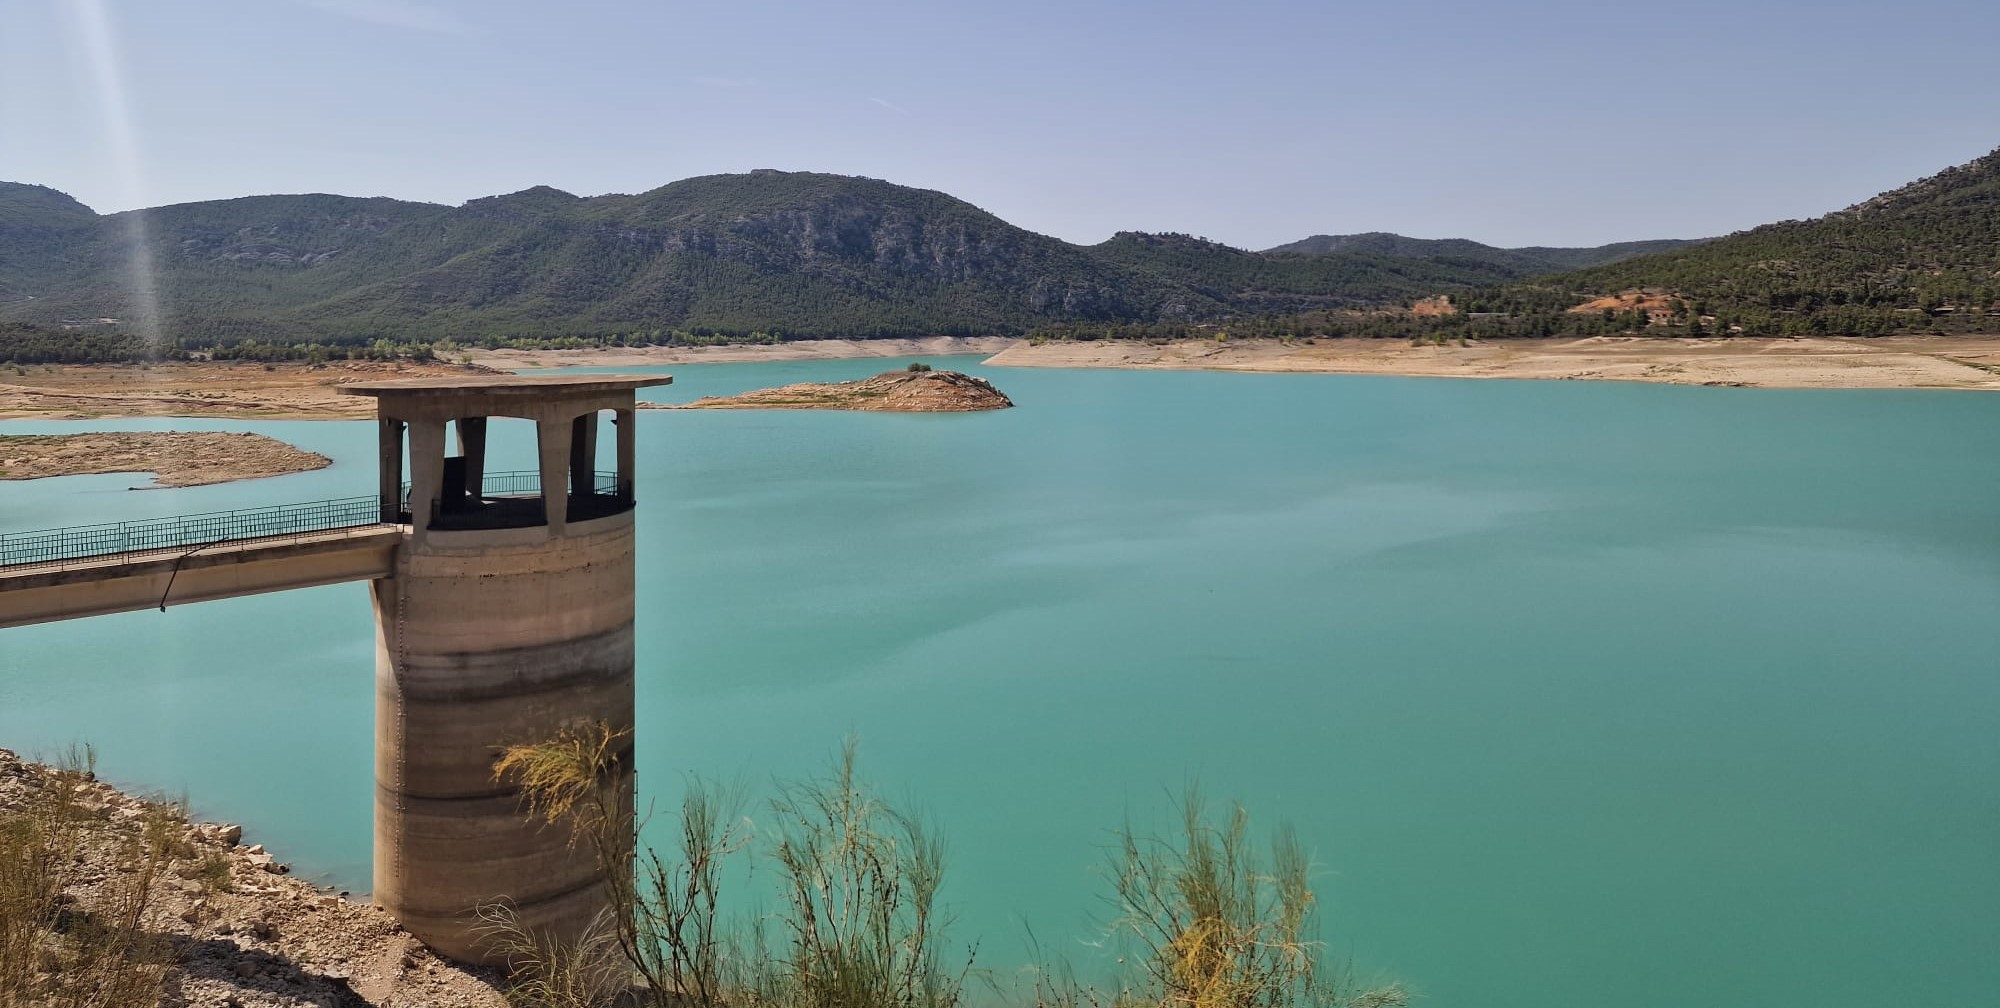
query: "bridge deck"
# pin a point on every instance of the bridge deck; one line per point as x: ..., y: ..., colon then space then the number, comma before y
x: 90, y: 570
x: 152, y: 578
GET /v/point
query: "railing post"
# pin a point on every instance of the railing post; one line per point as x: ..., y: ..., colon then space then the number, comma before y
x: 389, y: 444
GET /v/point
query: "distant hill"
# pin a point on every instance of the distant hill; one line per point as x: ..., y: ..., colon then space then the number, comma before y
x: 41, y: 233
x: 1516, y: 261
x: 1261, y: 283
x: 793, y: 254
x: 1926, y: 255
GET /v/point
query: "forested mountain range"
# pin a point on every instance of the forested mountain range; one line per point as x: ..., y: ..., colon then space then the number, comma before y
x: 785, y: 254
x: 794, y: 255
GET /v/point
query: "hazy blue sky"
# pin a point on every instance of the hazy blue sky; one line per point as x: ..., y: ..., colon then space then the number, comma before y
x: 1252, y: 122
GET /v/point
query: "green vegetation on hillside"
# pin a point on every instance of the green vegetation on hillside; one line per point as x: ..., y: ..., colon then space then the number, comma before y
x: 29, y: 344
x: 1919, y: 258
x: 1924, y: 258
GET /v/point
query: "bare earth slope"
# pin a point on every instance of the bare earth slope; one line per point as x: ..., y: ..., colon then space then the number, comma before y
x: 894, y: 392
x: 1884, y: 362
x: 231, y: 927
x: 175, y: 458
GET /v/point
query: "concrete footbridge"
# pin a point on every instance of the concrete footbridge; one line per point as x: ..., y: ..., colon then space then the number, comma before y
x: 503, y: 612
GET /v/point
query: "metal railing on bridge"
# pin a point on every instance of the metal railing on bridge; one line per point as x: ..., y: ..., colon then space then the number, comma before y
x: 209, y: 528
x: 185, y: 531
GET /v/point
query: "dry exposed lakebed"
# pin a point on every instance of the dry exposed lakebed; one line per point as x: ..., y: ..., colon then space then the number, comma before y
x: 175, y: 458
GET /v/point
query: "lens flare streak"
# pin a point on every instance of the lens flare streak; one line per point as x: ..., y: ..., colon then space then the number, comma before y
x: 100, y: 49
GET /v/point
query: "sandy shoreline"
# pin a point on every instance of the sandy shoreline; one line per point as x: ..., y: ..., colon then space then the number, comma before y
x: 1969, y: 362
x: 932, y: 346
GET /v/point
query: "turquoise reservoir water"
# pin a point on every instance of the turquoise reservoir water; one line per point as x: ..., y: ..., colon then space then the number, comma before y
x: 1584, y: 694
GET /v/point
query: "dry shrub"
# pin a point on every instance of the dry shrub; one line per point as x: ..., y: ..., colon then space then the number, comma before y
x: 581, y: 974
x: 69, y: 951
x: 1218, y: 927
x: 860, y: 922
x: 861, y: 898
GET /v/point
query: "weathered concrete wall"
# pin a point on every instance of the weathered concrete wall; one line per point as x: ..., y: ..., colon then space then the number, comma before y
x: 488, y: 639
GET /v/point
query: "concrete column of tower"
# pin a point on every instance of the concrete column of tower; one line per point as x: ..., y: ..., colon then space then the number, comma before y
x: 426, y: 473
x: 389, y: 438
x: 583, y: 455
x: 472, y: 445
x: 504, y: 625
x: 552, y: 442
x: 628, y: 451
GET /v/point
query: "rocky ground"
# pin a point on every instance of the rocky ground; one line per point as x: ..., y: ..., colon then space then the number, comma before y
x: 233, y: 930
x: 239, y: 389
x: 893, y: 392
x: 175, y: 458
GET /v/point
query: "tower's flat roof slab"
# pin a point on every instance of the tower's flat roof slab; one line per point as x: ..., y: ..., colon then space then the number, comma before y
x: 536, y: 386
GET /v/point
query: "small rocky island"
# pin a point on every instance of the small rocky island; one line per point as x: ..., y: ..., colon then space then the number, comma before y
x: 919, y: 390
x: 175, y: 458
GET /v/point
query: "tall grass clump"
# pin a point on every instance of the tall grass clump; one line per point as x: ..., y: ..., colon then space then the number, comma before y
x: 861, y: 882
x: 571, y: 781
x: 1219, y: 926
x: 858, y: 924
x: 57, y: 949
x: 663, y: 924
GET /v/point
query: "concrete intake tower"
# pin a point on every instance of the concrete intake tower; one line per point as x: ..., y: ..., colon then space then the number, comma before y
x: 507, y: 617
x: 503, y: 614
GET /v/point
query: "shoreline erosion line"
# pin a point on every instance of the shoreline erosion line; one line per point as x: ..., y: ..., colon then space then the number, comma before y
x: 246, y: 391
x: 1941, y: 362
